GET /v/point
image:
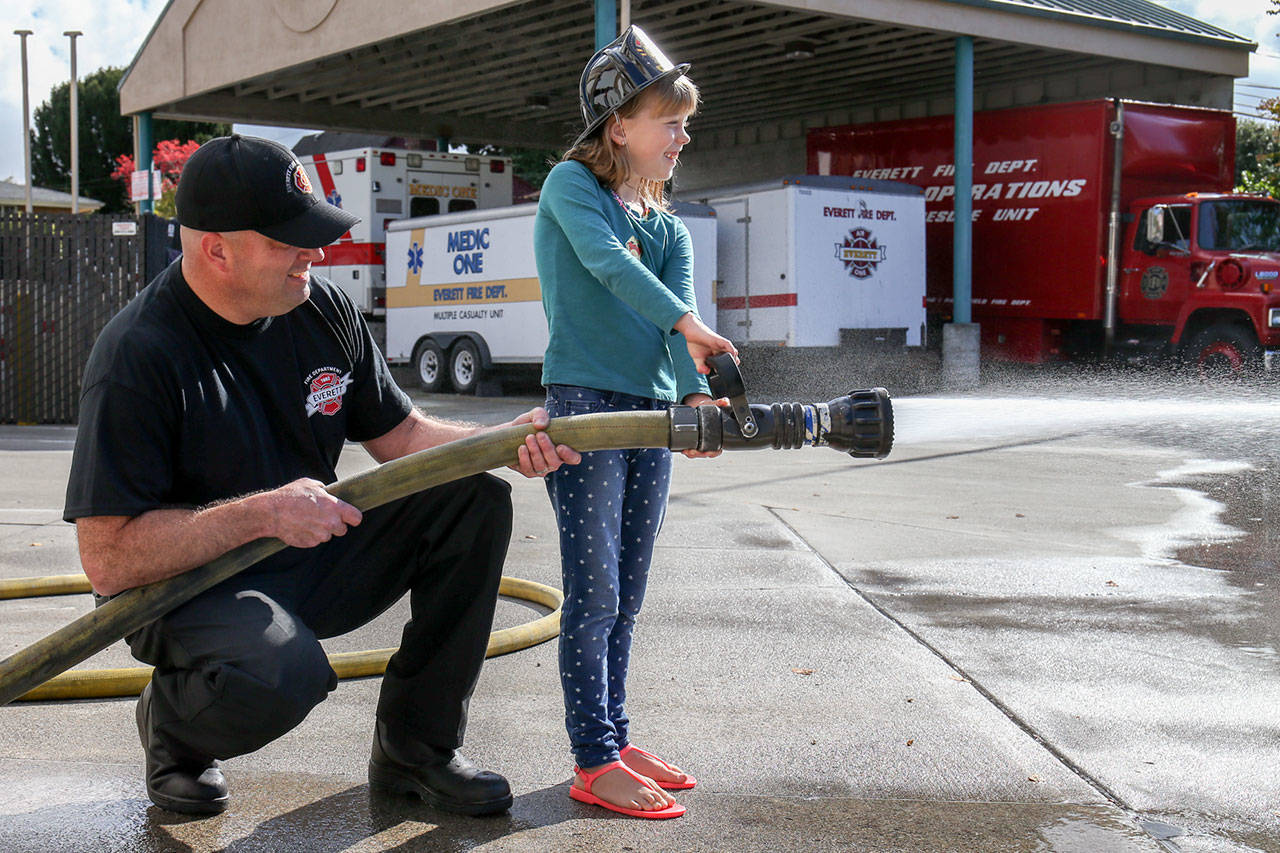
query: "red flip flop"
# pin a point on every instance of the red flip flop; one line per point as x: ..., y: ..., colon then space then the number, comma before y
x: 584, y: 795
x: 666, y: 786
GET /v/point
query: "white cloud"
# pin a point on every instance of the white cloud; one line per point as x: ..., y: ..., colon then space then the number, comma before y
x: 1249, y: 19
x: 113, y: 32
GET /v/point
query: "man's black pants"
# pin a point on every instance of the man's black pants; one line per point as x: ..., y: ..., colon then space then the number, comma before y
x: 241, y: 664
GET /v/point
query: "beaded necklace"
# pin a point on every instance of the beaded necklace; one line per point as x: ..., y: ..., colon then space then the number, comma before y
x: 631, y: 208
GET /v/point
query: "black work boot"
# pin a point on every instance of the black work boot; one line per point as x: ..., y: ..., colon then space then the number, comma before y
x: 183, y: 786
x: 441, y: 777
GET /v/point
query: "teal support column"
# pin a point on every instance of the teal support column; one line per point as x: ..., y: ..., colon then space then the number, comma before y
x: 442, y: 144
x: 962, y: 247
x: 962, y: 338
x: 606, y: 22
x: 146, y: 144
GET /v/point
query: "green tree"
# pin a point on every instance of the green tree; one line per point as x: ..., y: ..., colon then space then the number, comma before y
x: 531, y: 164
x: 104, y: 136
x: 1258, y: 157
x: 1258, y: 146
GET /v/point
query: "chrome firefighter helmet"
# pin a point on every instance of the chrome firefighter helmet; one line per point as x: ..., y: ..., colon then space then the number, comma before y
x: 617, y: 73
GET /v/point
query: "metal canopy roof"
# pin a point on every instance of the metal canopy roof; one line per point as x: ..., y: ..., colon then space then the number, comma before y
x: 1121, y: 14
x: 508, y: 73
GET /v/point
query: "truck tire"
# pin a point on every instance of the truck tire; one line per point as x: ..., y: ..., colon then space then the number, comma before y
x: 1223, y: 351
x: 428, y: 363
x: 464, y: 366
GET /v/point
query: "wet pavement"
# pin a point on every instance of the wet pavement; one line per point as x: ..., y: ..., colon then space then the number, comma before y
x: 1048, y: 622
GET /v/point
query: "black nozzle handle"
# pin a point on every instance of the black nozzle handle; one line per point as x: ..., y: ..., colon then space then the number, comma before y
x: 725, y: 380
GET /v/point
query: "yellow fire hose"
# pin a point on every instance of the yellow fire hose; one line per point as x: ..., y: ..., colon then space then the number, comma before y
x: 129, y: 681
x: 28, y: 668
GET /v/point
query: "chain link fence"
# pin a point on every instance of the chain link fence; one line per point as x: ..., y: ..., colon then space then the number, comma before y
x: 62, y: 277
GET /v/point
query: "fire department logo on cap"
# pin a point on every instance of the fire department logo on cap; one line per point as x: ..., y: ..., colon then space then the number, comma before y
x: 860, y: 253
x: 299, y: 177
x: 325, y: 389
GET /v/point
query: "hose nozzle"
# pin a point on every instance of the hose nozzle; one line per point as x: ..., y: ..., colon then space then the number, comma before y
x: 860, y: 423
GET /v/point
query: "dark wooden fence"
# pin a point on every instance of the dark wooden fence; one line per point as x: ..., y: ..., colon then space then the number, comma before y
x: 62, y: 277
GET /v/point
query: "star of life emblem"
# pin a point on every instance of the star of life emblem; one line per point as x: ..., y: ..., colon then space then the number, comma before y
x: 325, y: 389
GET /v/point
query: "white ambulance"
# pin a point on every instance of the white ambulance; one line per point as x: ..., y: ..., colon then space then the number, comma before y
x: 383, y: 185
x: 463, y: 292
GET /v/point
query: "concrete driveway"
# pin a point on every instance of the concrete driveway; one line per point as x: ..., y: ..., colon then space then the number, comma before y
x: 1048, y: 622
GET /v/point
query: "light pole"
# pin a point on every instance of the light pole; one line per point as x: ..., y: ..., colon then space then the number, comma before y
x: 26, y: 115
x: 75, y: 125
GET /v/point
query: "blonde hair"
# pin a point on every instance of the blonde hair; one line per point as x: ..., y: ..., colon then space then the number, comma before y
x: 608, y: 162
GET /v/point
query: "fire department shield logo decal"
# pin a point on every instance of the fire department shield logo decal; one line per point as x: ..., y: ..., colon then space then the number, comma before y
x: 1155, y: 282
x: 325, y: 388
x: 860, y: 253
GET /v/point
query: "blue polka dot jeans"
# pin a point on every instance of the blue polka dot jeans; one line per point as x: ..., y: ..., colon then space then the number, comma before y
x: 609, y: 509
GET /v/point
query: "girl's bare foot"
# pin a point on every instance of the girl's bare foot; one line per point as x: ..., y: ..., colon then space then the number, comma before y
x: 647, y: 764
x: 622, y: 789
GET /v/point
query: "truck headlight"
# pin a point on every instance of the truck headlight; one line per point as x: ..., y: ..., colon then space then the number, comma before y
x: 1273, y: 317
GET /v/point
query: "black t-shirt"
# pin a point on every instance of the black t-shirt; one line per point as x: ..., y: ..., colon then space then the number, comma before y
x: 181, y: 408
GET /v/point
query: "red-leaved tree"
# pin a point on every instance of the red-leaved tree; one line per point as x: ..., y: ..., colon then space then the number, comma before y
x: 169, y: 156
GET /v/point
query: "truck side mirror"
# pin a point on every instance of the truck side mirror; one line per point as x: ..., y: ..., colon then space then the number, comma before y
x: 1155, y: 224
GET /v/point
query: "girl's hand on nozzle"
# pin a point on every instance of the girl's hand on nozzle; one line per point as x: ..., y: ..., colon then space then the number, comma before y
x: 696, y: 400
x: 700, y: 399
x: 702, y: 342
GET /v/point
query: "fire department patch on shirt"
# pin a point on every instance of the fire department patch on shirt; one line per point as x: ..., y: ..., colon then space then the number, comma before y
x: 325, y: 389
x: 633, y: 247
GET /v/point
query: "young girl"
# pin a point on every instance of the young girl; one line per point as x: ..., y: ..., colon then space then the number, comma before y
x: 616, y: 268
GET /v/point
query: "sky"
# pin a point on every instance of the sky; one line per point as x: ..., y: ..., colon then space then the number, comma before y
x: 114, y: 30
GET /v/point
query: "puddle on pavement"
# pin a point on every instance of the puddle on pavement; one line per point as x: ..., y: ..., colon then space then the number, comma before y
x: 1248, y: 560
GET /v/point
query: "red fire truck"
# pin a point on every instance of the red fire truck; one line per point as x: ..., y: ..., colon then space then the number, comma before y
x: 1096, y: 225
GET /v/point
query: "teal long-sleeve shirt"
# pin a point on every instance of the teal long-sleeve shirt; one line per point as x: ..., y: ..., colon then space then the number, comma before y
x: 610, y: 314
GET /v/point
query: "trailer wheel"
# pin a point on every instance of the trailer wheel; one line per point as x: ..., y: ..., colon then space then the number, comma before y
x: 464, y: 366
x: 428, y: 361
x: 1223, y: 351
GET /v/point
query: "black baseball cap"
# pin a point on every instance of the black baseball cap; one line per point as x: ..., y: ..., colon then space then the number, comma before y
x: 243, y: 183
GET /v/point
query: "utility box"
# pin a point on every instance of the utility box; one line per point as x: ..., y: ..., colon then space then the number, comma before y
x: 820, y: 261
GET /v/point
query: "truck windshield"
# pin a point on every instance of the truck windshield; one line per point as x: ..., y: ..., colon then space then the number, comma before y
x: 1240, y: 226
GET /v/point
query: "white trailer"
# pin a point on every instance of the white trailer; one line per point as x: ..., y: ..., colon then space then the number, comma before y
x: 814, y: 261
x: 383, y: 185
x: 463, y: 292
